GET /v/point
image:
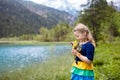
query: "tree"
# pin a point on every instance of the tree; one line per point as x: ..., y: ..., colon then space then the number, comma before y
x: 97, y: 16
x: 44, y: 32
x: 60, y: 31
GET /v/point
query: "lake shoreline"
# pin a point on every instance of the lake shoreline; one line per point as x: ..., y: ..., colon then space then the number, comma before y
x: 30, y: 42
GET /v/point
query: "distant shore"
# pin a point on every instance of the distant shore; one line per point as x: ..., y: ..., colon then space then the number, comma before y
x: 31, y: 42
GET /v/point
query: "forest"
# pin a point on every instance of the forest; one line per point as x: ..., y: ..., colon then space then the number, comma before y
x: 19, y: 18
x: 102, y: 18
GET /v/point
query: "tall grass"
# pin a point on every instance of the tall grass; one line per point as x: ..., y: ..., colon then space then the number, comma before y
x: 107, y: 61
x: 106, y: 66
x: 54, y: 69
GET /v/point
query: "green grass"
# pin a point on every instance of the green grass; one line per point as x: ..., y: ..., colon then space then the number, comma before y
x: 106, y: 66
x: 55, y: 69
x: 107, y: 61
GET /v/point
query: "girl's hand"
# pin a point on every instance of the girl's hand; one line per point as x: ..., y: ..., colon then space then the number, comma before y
x: 74, y: 52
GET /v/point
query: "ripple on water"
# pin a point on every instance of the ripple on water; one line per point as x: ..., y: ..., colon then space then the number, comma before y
x: 17, y: 57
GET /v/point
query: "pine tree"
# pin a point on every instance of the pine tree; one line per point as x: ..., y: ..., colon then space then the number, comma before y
x: 97, y: 16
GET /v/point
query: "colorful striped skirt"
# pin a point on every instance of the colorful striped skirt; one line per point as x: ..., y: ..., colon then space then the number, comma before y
x: 82, y: 71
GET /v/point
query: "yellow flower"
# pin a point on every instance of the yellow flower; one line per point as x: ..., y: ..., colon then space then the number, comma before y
x: 75, y: 44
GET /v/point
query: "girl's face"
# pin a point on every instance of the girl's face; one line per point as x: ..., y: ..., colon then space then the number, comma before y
x: 79, y: 36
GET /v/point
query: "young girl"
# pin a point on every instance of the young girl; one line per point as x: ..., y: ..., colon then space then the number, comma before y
x: 82, y: 67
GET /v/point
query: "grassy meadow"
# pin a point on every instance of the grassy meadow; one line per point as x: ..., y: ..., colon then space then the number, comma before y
x: 106, y: 66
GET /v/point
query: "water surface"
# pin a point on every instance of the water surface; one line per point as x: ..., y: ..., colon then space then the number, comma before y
x: 19, y: 56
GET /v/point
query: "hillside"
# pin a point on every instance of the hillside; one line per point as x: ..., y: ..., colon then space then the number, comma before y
x: 17, y: 19
x: 48, y: 13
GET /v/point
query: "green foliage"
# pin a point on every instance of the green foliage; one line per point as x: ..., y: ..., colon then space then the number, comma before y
x: 101, y: 19
x: 44, y: 33
x: 107, y: 61
x: 60, y: 32
x: 38, y: 37
x: 70, y: 36
x: 26, y: 37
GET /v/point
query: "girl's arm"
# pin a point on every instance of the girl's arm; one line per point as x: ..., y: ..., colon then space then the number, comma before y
x: 83, y: 58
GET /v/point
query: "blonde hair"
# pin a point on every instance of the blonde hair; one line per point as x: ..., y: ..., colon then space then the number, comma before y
x: 82, y: 28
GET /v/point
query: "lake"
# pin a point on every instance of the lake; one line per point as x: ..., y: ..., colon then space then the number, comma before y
x: 20, y: 56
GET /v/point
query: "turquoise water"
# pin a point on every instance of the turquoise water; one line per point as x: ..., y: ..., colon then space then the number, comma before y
x: 20, y: 56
